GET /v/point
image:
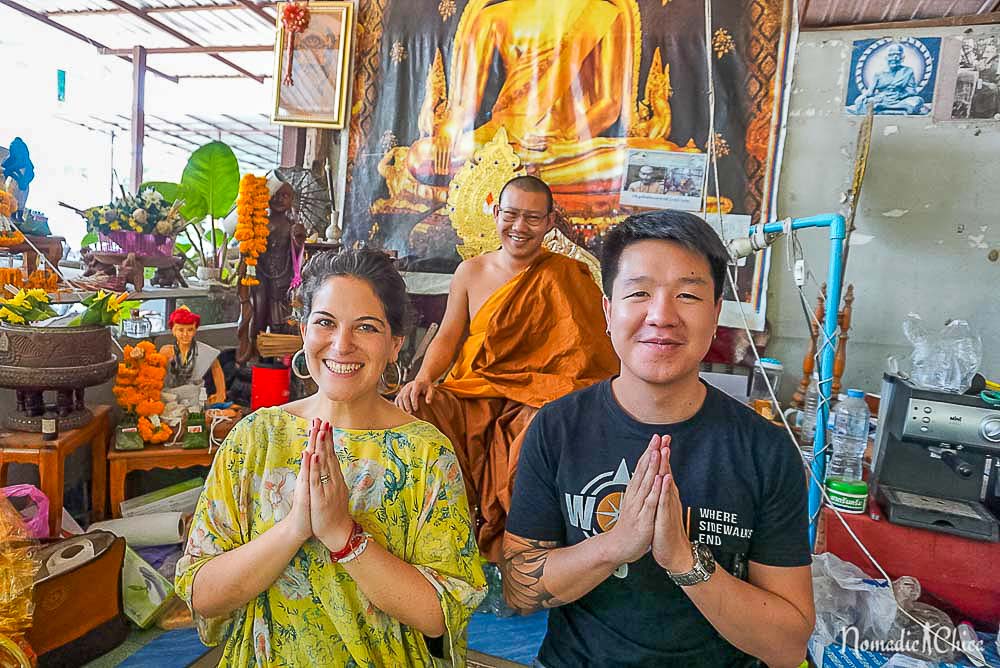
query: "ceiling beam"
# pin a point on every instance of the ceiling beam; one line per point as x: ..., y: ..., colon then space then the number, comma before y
x: 256, y: 9
x: 164, y: 10
x: 72, y: 33
x: 218, y: 76
x: 170, y: 50
x: 177, y: 34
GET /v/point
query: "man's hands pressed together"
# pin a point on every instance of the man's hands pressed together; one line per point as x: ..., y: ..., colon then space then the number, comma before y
x: 650, y: 515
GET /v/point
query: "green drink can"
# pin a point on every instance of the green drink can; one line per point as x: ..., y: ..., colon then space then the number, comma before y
x: 849, y: 496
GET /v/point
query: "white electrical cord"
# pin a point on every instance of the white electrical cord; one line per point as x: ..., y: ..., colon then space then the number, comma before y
x: 928, y: 629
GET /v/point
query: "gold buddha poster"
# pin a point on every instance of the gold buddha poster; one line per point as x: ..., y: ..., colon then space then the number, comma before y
x: 562, y: 89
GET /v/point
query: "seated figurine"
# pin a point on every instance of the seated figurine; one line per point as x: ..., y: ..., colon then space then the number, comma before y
x: 189, y: 360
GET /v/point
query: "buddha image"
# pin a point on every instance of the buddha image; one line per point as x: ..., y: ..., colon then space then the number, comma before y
x: 573, y: 85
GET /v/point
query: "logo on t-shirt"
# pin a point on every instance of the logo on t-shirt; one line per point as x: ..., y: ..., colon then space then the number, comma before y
x: 595, y: 509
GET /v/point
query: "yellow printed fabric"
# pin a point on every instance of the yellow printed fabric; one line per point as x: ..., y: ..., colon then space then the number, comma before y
x: 406, y: 490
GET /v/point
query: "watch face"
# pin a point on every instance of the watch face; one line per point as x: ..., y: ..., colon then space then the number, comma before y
x: 706, y: 558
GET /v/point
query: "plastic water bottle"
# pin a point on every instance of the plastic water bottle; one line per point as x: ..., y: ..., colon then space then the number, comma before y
x: 807, y: 429
x: 850, y: 437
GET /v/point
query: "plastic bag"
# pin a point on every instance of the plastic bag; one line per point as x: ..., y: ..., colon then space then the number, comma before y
x: 849, y: 603
x: 36, y: 515
x: 946, y: 360
x: 17, y: 577
x: 931, y: 635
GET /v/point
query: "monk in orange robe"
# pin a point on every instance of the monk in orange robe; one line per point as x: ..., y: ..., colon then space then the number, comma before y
x: 528, y: 328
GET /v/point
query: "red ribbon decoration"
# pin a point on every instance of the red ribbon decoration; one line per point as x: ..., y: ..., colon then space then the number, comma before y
x: 295, y: 18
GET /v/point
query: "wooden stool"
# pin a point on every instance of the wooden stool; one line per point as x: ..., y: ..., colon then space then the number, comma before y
x: 50, y: 458
x: 152, y: 457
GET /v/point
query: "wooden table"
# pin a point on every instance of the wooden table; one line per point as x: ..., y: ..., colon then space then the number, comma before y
x: 151, y: 457
x: 50, y: 458
x: 50, y: 246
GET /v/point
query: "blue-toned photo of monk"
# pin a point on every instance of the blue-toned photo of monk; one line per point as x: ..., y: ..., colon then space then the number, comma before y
x: 894, y: 76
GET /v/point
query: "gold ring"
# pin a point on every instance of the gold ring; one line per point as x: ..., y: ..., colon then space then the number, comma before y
x: 323, y: 479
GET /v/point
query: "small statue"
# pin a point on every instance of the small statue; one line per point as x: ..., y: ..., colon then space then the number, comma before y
x: 168, y: 277
x: 94, y: 266
x: 18, y: 166
x: 189, y: 360
x: 271, y: 302
x: 131, y: 271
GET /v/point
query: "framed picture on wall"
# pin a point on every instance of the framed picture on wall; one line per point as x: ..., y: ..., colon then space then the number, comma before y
x: 969, y: 88
x: 311, y: 81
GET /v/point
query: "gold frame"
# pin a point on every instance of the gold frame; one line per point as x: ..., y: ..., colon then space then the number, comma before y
x: 322, y: 117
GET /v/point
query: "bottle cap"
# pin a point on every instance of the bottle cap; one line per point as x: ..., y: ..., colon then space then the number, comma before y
x: 857, y: 394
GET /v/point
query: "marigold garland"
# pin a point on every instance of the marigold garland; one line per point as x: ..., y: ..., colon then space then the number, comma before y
x: 138, y: 386
x: 44, y: 279
x: 8, y: 204
x: 12, y: 276
x: 9, y: 234
x: 251, y: 223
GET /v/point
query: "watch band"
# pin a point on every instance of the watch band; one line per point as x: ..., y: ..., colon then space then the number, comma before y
x: 701, y: 571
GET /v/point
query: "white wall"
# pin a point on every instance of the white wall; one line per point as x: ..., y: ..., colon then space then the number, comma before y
x: 944, y: 178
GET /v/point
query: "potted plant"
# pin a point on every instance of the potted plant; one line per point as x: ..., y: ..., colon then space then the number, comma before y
x: 207, y: 193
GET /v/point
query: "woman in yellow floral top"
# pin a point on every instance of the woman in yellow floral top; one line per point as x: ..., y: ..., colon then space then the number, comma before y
x: 344, y: 545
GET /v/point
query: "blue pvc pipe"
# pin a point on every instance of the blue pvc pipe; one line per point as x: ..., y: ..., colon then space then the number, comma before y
x: 834, y: 286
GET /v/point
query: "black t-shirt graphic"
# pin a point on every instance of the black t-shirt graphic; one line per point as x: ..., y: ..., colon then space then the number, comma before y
x: 743, y: 490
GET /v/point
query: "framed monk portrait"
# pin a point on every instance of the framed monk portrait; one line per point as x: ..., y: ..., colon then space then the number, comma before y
x: 312, y: 73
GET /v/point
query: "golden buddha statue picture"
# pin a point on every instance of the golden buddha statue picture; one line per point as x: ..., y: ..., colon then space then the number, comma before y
x: 574, y: 85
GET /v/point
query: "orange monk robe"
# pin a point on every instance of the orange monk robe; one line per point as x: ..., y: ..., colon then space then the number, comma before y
x: 538, y: 337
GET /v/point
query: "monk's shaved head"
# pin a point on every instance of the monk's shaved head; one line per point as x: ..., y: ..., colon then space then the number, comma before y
x: 528, y: 184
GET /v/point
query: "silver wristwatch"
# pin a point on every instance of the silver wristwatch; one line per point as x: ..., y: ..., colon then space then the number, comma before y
x: 704, y: 566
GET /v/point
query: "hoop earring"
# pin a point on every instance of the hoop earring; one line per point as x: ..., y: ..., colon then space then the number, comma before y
x: 392, y: 389
x: 296, y: 365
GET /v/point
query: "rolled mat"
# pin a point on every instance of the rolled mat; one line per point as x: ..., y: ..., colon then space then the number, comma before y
x: 147, y: 530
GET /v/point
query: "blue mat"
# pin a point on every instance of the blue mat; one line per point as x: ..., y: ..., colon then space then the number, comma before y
x: 513, y: 638
x: 173, y: 649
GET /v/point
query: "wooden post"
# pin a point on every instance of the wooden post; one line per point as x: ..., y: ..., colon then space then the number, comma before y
x: 809, y: 361
x: 138, y: 113
x: 293, y: 146
x: 844, y: 322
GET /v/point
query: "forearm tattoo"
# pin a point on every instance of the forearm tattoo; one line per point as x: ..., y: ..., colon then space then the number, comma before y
x: 523, y: 567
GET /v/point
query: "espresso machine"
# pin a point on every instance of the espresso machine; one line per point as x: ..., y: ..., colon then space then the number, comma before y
x: 936, y: 463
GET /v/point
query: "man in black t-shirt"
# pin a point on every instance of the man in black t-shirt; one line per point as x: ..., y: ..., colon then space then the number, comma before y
x: 664, y: 523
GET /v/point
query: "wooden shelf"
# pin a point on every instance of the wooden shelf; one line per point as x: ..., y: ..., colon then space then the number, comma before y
x: 148, y: 294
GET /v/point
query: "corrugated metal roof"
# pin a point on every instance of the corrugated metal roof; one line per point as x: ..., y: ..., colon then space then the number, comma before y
x: 123, y: 24
x: 829, y: 13
x: 253, y: 138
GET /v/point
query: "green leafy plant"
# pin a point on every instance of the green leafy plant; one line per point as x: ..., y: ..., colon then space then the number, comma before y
x: 208, y: 188
x: 104, y: 308
x: 31, y: 306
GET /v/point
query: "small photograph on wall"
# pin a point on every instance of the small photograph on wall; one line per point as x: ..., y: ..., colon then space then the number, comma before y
x: 895, y: 76
x: 664, y: 179
x: 971, y: 73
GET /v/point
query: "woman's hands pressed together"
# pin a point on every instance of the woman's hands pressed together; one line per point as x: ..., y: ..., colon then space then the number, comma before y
x: 320, y: 501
